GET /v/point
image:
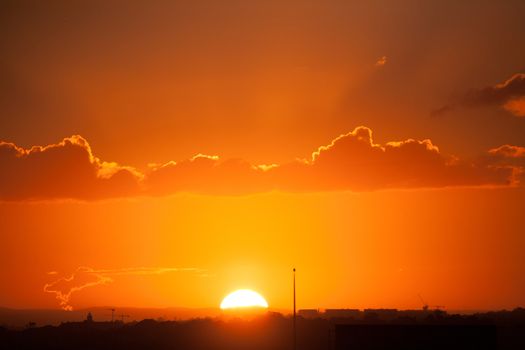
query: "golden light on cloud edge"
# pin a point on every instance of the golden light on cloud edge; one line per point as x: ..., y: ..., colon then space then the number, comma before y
x: 350, y: 162
x: 243, y: 298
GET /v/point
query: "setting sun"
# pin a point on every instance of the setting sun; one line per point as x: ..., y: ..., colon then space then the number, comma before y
x: 243, y: 298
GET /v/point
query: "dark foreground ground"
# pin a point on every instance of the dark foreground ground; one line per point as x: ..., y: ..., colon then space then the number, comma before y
x: 497, y: 330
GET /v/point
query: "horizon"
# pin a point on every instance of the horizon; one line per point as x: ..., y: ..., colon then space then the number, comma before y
x: 30, y: 318
x: 283, y: 311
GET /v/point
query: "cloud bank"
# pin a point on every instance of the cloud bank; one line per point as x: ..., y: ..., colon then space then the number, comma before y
x: 67, y: 169
x: 351, y: 162
x: 509, y: 95
x: 87, y: 277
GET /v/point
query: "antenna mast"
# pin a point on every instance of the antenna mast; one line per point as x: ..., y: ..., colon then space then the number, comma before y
x: 294, y: 315
x: 112, y: 314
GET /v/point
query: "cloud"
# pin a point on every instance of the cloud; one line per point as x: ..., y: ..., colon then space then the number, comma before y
x: 509, y: 152
x: 86, y: 277
x: 510, y: 157
x: 208, y: 174
x: 67, y: 169
x: 354, y: 162
x: 381, y: 61
x: 509, y: 95
x: 516, y: 106
x: 351, y: 162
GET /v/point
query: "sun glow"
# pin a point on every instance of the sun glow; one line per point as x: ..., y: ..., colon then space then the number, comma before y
x: 243, y: 298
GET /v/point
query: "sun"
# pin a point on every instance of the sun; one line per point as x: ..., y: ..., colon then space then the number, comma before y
x: 243, y: 298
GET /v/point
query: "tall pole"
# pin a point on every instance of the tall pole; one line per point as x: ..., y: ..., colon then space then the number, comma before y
x: 294, y: 315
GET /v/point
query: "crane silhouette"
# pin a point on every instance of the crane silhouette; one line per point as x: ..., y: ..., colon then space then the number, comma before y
x: 426, y: 306
x: 122, y: 316
x: 112, y: 314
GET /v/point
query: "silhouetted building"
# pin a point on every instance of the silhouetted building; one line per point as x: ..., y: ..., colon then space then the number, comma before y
x: 342, y: 313
x: 272, y: 332
x: 309, y: 313
x: 382, y: 314
x: 412, y: 337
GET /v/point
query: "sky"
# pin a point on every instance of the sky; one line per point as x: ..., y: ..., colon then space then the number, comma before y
x: 166, y: 153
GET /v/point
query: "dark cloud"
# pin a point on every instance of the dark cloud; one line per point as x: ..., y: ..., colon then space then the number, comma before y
x: 354, y: 162
x: 510, y: 157
x: 64, y: 170
x: 351, y: 162
x: 207, y: 174
x: 509, y: 95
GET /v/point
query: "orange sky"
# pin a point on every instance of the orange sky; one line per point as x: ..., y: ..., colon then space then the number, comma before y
x: 457, y: 247
x: 165, y: 154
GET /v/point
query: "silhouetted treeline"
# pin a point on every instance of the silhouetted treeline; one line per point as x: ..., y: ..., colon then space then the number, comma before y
x: 271, y: 331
